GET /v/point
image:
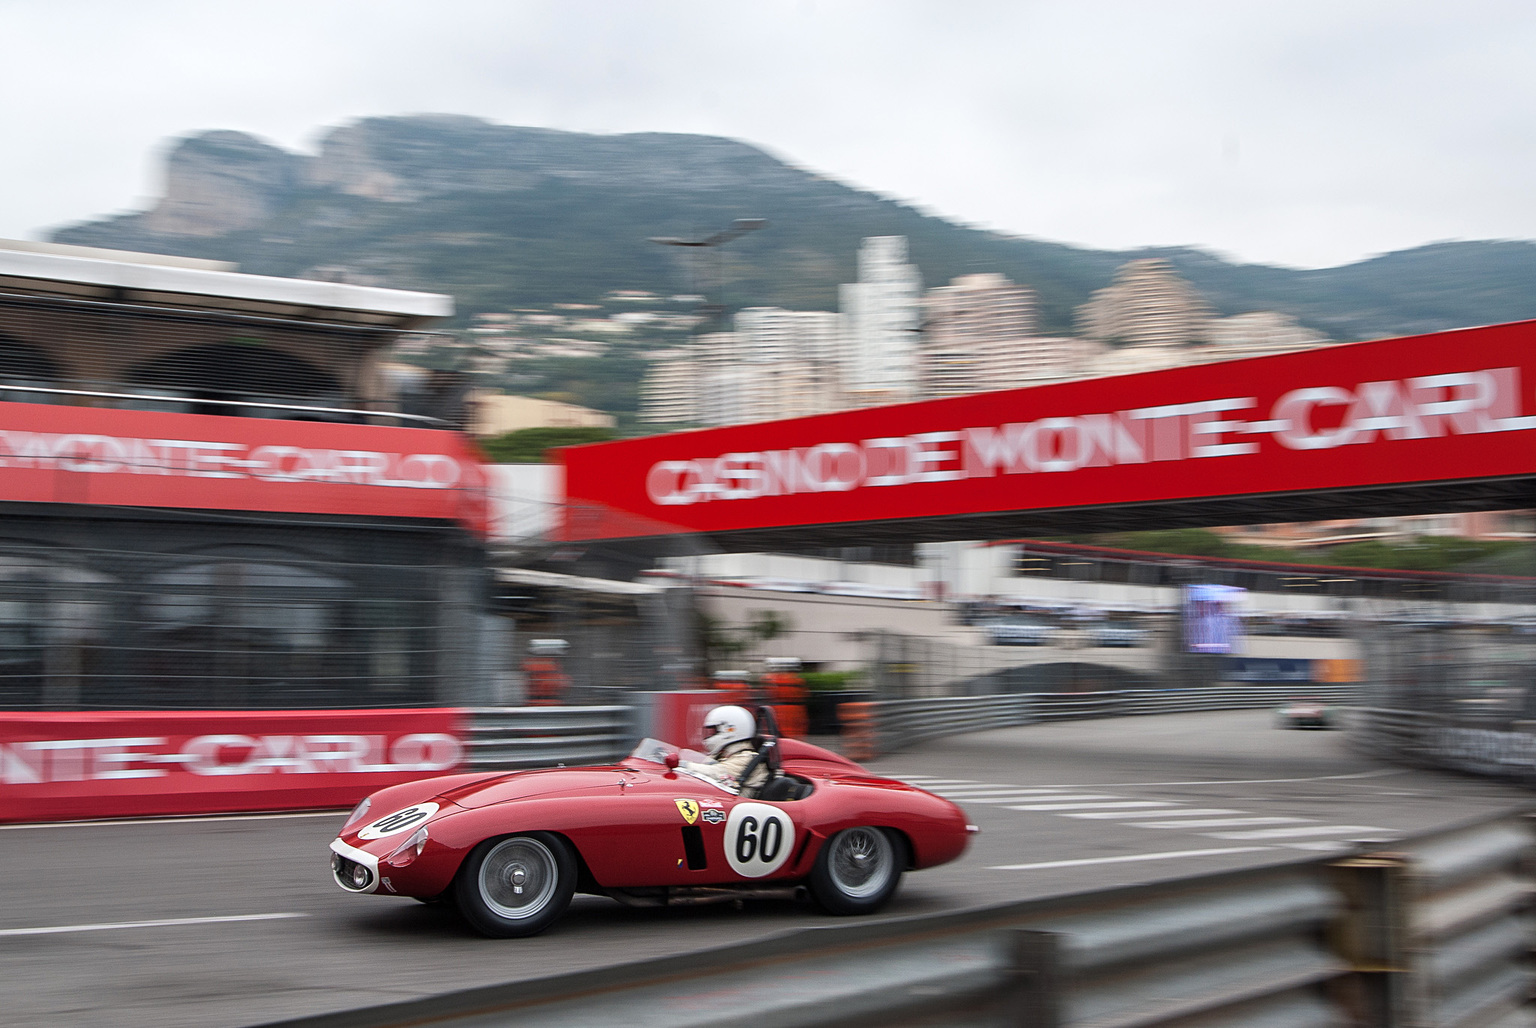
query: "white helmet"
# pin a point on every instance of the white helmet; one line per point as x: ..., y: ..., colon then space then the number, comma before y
x: 725, y: 725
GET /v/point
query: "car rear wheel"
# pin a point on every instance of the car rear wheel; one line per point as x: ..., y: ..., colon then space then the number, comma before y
x: 516, y: 885
x: 857, y: 871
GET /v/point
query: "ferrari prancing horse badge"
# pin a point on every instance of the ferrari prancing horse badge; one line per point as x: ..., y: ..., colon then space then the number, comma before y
x: 689, y: 809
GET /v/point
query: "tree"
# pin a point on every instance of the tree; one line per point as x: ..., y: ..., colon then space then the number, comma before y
x: 531, y: 445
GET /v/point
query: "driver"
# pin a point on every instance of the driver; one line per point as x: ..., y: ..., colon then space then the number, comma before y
x: 729, y: 734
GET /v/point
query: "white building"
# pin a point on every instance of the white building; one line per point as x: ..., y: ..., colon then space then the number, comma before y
x: 776, y: 364
x: 882, y: 318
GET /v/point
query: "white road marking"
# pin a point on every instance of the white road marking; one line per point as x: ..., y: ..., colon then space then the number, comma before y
x: 996, y: 790
x: 1327, y: 844
x: 1128, y: 859
x: 1195, y: 812
x: 174, y: 922
x: 1092, y: 806
x: 1296, y: 833
x: 1074, y: 797
x: 1006, y: 797
x: 1225, y: 822
x: 191, y: 819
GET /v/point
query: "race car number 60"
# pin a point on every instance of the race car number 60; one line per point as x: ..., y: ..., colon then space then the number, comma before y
x: 758, y: 839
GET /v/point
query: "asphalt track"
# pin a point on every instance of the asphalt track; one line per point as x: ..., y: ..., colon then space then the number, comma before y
x: 234, y: 921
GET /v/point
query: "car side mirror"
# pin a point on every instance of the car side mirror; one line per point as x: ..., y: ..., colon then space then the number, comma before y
x: 671, y: 760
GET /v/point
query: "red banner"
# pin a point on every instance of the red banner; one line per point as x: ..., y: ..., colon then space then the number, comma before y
x: 72, y: 766
x: 57, y: 454
x: 1452, y: 406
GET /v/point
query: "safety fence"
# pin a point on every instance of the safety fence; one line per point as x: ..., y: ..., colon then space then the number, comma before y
x: 510, y: 738
x: 1497, y: 747
x: 1426, y: 931
x: 887, y: 725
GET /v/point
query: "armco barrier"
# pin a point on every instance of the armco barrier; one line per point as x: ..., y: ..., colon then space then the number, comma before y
x: 1428, y: 932
x: 509, y: 738
x: 1502, y: 748
x: 888, y: 725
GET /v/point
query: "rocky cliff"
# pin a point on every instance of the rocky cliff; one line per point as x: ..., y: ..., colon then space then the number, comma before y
x: 502, y: 216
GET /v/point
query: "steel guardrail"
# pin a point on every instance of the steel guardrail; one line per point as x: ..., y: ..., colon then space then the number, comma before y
x: 1428, y: 931
x: 513, y: 738
x: 882, y: 726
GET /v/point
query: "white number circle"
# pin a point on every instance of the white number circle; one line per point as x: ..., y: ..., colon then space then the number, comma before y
x: 399, y: 821
x: 758, y: 839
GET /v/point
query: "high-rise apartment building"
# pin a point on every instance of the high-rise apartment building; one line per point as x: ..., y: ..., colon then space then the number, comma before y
x: 975, y: 336
x: 776, y: 364
x: 1147, y: 305
x: 881, y: 312
x: 669, y: 393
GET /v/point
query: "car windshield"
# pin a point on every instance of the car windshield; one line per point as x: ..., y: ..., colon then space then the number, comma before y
x: 656, y: 752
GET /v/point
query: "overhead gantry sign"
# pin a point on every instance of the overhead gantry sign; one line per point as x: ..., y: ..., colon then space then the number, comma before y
x: 1436, y: 422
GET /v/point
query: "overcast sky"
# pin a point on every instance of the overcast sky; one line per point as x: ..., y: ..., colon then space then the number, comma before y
x: 1301, y: 133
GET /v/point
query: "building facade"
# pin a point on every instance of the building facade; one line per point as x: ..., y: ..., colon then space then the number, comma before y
x: 209, y: 500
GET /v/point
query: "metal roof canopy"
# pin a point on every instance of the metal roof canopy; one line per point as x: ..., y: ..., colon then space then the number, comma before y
x: 153, y: 279
x: 1430, y: 424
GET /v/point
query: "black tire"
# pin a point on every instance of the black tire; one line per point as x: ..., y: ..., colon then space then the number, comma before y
x: 858, y: 870
x: 516, y: 885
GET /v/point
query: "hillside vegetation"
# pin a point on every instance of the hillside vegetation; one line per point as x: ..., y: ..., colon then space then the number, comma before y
x: 504, y: 217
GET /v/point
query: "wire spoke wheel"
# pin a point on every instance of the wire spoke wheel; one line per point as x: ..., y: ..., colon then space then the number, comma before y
x: 861, y: 862
x: 858, y: 870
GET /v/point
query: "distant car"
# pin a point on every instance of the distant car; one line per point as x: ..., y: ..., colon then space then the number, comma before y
x: 1016, y: 632
x: 1112, y: 634
x: 1307, y: 714
x: 509, y: 849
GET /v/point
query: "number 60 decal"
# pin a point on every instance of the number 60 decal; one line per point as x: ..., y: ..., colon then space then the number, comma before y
x: 758, y: 839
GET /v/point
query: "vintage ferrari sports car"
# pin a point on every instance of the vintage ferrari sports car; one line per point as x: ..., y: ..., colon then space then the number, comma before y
x: 510, y: 849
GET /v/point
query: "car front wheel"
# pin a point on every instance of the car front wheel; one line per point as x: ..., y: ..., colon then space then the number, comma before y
x: 857, y: 871
x: 516, y: 885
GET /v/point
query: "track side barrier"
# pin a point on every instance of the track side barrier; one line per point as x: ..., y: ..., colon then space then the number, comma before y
x: 510, y: 738
x: 63, y: 766
x: 888, y: 725
x: 1497, y: 748
x: 1428, y: 932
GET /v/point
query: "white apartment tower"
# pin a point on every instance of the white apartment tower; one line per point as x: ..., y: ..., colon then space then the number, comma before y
x: 776, y: 364
x: 881, y: 314
x: 792, y: 358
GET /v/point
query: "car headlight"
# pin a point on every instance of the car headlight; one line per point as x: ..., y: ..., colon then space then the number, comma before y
x: 408, y: 850
x: 358, y: 813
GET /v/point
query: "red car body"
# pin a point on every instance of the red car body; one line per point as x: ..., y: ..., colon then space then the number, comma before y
x: 642, y: 829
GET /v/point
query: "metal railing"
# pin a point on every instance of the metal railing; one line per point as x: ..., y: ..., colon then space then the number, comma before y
x: 1499, y: 749
x: 886, y: 725
x: 351, y: 413
x: 511, y: 738
x: 1429, y: 932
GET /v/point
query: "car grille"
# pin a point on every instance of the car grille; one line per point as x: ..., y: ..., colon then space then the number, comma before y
x: 343, y: 869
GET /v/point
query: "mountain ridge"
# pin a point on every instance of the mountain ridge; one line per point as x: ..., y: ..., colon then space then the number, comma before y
x: 504, y: 217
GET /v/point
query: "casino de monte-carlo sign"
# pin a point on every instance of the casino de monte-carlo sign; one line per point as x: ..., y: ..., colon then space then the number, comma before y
x: 1449, y: 406
x: 63, y: 454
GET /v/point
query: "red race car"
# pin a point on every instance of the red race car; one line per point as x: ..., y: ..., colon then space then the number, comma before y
x: 509, y: 850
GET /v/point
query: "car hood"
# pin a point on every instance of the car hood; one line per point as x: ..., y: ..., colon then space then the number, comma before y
x: 523, y: 785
